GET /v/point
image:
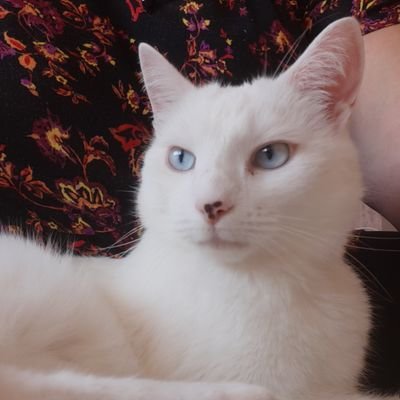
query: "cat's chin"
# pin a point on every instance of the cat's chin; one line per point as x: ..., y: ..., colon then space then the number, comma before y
x: 224, y: 249
x: 218, y: 243
x: 214, y: 239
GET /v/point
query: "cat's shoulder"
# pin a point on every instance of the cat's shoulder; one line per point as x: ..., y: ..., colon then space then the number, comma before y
x: 10, y: 242
x: 16, y: 247
x: 23, y: 259
x: 29, y: 258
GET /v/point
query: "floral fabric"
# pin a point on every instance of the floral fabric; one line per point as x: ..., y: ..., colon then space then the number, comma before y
x: 74, y: 120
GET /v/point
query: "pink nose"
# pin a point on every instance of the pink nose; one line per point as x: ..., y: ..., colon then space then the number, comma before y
x: 213, y: 212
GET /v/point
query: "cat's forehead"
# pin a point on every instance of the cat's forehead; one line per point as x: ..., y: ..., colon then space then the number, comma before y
x: 233, y: 102
x: 252, y: 113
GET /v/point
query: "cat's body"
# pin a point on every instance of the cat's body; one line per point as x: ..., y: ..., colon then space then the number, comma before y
x: 207, y: 322
x: 232, y: 281
x: 182, y: 321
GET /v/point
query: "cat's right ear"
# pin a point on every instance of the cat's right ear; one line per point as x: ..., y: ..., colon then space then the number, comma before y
x: 164, y: 84
x: 331, y: 68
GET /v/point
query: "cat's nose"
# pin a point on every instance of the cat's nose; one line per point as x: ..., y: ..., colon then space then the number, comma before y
x: 213, y: 212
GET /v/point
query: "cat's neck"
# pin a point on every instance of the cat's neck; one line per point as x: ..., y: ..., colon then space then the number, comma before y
x: 299, y: 263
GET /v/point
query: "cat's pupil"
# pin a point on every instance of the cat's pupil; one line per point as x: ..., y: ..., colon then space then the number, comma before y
x: 269, y: 153
x: 181, y: 159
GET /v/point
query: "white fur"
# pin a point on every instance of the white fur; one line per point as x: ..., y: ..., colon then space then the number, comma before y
x: 271, y: 303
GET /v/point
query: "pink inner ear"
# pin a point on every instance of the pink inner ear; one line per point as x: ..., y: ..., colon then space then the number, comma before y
x: 332, y: 66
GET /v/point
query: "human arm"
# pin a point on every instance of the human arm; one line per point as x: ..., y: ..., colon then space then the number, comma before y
x: 375, y: 124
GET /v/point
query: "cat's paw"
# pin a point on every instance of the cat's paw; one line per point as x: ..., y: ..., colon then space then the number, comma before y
x: 236, y: 391
x: 204, y: 391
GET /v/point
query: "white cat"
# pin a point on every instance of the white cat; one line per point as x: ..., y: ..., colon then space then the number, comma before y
x: 248, y: 195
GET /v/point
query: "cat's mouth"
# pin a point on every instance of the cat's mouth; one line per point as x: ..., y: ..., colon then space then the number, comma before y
x: 216, y: 241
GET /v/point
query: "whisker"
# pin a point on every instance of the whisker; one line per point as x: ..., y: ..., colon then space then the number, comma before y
x: 122, y: 253
x: 265, y: 66
x: 359, y: 234
x: 372, y: 249
x: 133, y: 231
x: 289, y: 54
x: 365, y: 271
x: 134, y: 241
x: 350, y: 235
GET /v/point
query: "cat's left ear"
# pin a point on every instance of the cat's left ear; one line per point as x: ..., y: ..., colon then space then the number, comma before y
x: 163, y: 83
x: 331, y: 68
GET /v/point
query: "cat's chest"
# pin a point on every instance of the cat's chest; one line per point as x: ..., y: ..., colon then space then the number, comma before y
x: 194, y: 328
x: 212, y: 323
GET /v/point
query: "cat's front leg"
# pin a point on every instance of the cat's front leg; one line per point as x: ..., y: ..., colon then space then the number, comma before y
x: 16, y: 384
x: 212, y: 391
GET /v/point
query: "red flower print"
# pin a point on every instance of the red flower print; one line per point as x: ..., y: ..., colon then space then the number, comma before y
x: 5, y: 50
x: 243, y: 11
x: 191, y: 7
x: 139, y: 104
x: 14, y: 43
x: 50, y: 137
x: 3, y: 12
x: 96, y: 207
x: 50, y: 52
x: 96, y: 149
x: 136, y: 8
x: 40, y: 15
x: 32, y: 186
x: 131, y: 136
x: 27, y: 61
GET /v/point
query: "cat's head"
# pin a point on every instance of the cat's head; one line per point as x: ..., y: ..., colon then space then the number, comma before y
x: 267, y: 166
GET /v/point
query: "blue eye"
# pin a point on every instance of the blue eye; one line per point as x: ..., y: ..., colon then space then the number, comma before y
x: 272, y: 156
x: 181, y: 159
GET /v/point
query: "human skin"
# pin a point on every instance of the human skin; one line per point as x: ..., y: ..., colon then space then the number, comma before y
x: 375, y: 124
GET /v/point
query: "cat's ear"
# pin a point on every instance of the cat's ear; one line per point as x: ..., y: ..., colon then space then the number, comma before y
x: 163, y: 83
x: 331, y: 68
